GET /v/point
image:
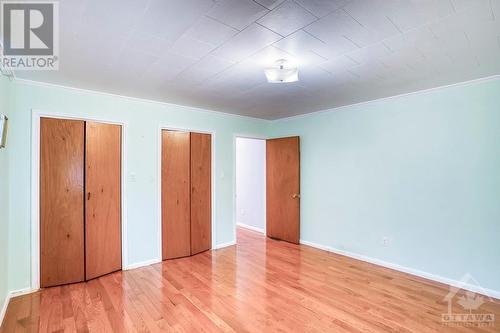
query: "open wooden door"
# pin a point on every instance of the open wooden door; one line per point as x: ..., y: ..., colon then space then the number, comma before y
x: 175, y: 197
x: 103, y: 245
x: 201, y: 198
x: 61, y: 201
x: 283, y: 189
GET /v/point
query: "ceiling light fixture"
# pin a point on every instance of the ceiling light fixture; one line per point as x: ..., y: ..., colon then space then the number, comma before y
x: 282, y: 72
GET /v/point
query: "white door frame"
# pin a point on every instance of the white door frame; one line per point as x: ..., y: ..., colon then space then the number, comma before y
x: 243, y: 136
x: 213, y: 173
x: 35, y: 187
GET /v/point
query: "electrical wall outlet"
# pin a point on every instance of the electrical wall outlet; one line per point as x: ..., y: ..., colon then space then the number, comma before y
x: 385, y: 241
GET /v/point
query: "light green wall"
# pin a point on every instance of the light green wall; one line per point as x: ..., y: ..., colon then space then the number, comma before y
x: 4, y: 196
x: 143, y: 121
x: 422, y: 170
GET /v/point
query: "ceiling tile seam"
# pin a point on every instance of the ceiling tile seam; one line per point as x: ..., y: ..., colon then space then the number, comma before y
x: 298, y: 4
x: 394, y: 24
x: 349, y: 14
x: 301, y: 28
x: 263, y: 26
x: 319, y: 55
x: 239, y: 32
x: 184, y: 32
x: 261, y: 5
x: 189, y: 67
x: 141, y: 16
x: 223, y: 23
x: 306, y: 26
x: 313, y: 36
x: 353, y: 42
x: 353, y: 60
x: 452, y: 5
x: 258, y: 18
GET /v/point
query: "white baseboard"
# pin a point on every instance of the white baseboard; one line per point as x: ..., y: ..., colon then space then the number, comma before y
x: 220, y: 246
x: 455, y: 283
x: 11, y: 295
x: 249, y: 227
x: 142, y: 264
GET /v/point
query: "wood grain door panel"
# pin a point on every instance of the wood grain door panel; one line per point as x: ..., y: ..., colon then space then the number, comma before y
x: 201, y: 189
x: 61, y: 201
x: 283, y: 189
x: 176, y: 225
x: 103, y: 242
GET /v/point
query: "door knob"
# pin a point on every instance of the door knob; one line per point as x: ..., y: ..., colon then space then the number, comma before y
x: 295, y: 196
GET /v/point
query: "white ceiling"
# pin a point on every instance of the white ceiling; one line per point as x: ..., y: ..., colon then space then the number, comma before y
x: 211, y: 54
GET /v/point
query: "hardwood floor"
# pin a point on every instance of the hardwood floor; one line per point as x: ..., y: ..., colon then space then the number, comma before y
x: 260, y: 285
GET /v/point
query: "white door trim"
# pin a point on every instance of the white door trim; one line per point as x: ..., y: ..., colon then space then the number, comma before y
x: 235, y: 215
x: 213, y: 134
x: 35, y: 187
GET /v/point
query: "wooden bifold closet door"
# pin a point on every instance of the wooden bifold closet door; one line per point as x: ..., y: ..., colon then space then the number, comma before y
x: 186, y: 193
x: 80, y: 200
x: 103, y: 240
x: 176, y: 212
x: 61, y: 201
x: 201, y: 189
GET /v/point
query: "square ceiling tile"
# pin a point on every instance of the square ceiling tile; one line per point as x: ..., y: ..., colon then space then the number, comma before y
x: 338, y: 64
x: 247, y: 42
x: 300, y: 42
x: 170, y: 19
x: 287, y: 18
x: 270, y: 4
x: 322, y: 8
x: 377, y: 25
x: 204, y: 69
x: 369, y: 54
x: 168, y: 67
x: 210, y: 31
x: 147, y: 43
x: 408, y: 15
x: 191, y: 47
x: 115, y: 16
x: 268, y: 56
x: 238, y: 14
x: 334, y: 26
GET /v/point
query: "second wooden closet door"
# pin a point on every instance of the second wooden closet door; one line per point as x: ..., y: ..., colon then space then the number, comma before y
x: 186, y: 193
x: 103, y: 199
x: 201, y: 210
x: 175, y: 195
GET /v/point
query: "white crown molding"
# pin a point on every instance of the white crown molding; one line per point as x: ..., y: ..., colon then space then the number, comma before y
x: 373, y: 101
x: 429, y: 276
x: 135, y: 99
